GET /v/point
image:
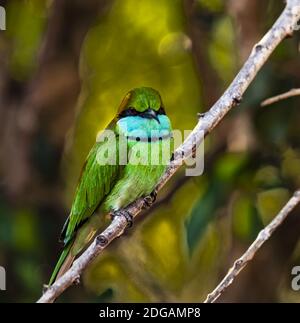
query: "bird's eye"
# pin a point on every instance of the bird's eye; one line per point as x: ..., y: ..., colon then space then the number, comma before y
x: 161, y: 110
x: 132, y: 112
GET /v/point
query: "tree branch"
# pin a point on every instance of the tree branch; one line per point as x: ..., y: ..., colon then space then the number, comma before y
x: 283, y: 96
x: 282, y: 28
x: 262, y: 237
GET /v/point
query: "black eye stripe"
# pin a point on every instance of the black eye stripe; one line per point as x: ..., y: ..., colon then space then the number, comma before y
x: 161, y: 110
x: 128, y: 112
x: 133, y: 112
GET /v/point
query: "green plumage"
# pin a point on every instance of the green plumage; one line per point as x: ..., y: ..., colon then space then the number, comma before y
x: 110, y: 187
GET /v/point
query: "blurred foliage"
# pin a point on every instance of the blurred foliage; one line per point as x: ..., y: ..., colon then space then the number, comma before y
x: 25, y: 25
x: 270, y: 202
x: 179, y: 251
x: 211, y: 5
x: 222, y: 50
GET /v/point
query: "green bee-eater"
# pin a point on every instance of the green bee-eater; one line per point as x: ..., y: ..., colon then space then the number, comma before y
x: 107, y: 187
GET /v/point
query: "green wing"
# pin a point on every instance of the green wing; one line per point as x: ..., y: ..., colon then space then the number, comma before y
x: 95, y: 183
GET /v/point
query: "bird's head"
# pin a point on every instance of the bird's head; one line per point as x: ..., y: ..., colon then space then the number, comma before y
x: 143, y: 102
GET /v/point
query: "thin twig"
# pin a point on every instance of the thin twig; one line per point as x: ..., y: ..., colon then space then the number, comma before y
x: 262, y: 237
x: 283, y: 27
x: 283, y: 96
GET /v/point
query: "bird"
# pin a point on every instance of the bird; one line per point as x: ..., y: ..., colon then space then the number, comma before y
x: 143, y: 127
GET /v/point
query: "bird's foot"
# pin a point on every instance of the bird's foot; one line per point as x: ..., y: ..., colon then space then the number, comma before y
x: 77, y: 280
x: 126, y: 215
x: 150, y: 199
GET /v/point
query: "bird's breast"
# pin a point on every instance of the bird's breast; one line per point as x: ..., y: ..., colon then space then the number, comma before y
x: 143, y: 128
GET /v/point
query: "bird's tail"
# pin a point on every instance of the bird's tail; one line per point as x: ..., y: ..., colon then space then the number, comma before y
x: 75, y: 245
x: 64, y: 263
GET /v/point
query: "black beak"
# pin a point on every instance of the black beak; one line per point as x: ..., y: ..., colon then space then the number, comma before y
x: 150, y: 114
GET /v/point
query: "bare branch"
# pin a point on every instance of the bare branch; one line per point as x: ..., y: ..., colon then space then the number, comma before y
x: 262, y: 237
x: 283, y: 27
x: 283, y: 96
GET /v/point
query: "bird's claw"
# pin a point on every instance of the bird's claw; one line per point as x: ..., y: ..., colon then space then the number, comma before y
x: 77, y: 280
x: 127, y: 216
x: 150, y: 199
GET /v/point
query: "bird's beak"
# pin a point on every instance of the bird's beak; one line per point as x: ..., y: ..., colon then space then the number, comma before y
x: 151, y: 114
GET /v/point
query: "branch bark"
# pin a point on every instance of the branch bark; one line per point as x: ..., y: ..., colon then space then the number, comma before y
x: 262, y: 237
x: 283, y: 27
x: 283, y: 96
